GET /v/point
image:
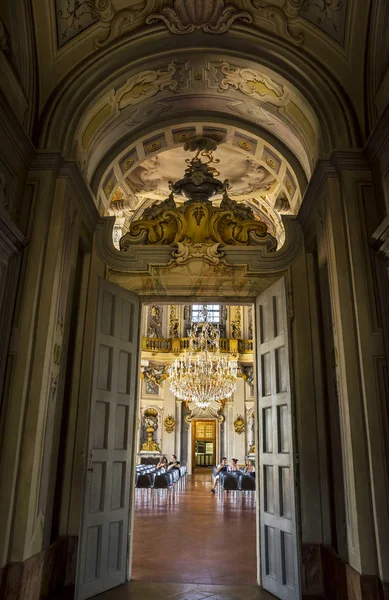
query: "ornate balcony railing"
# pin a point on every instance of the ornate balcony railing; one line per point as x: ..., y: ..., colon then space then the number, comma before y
x: 178, y: 345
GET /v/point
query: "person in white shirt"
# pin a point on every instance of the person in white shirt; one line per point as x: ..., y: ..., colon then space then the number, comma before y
x: 222, y: 468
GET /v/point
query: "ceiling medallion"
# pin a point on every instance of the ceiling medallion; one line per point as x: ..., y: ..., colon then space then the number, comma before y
x: 203, y: 374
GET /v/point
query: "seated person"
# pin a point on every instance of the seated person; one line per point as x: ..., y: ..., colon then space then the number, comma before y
x: 222, y: 468
x: 174, y: 463
x: 162, y: 463
x: 249, y: 468
x: 234, y: 465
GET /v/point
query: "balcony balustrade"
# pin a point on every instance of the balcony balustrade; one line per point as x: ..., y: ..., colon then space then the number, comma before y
x: 178, y: 345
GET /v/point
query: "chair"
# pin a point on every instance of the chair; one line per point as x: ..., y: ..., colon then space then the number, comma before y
x: 162, y: 482
x: 247, y: 483
x: 144, y: 481
x: 230, y: 482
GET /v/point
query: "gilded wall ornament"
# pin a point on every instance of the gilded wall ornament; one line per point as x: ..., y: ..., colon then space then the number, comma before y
x: 212, y: 16
x: 239, y: 424
x: 232, y: 223
x: 236, y: 331
x: 169, y: 423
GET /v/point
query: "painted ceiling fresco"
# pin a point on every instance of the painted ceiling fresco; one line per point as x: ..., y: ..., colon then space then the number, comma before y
x: 328, y: 15
x: 73, y: 17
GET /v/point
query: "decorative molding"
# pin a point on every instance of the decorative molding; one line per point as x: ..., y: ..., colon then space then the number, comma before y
x: 186, y: 16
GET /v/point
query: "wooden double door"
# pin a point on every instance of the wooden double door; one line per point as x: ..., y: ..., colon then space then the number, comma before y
x: 203, y: 443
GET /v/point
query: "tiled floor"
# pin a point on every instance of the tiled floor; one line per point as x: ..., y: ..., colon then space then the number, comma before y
x: 189, y: 535
x: 182, y: 591
x: 190, y: 544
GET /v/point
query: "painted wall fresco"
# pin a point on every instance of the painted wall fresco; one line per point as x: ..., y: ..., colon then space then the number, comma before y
x: 328, y: 15
x: 73, y: 17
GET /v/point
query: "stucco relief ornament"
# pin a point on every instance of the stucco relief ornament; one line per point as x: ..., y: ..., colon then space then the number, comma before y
x: 169, y: 423
x: 252, y: 83
x: 212, y: 16
x: 146, y: 84
x: 239, y: 424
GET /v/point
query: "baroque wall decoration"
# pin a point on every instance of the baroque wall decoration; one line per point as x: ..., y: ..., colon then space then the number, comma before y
x: 232, y: 223
x: 252, y: 83
x: 239, y: 424
x: 169, y: 423
x: 73, y: 17
x: 154, y: 327
x: 150, y: 420
x: 328, y: 15
x: 247, y: 373
x: 236, y: 331
x: 173, y: 323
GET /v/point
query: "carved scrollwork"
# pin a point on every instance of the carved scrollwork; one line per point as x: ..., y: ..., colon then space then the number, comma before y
x: 212, y: 16
x: 252, y: 83
x: 198, y: 223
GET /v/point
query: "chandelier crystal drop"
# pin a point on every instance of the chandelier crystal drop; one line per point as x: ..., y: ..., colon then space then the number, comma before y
x: 203, y: 374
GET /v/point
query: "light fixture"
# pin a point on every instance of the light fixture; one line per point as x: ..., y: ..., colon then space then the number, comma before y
x: 203, y: 374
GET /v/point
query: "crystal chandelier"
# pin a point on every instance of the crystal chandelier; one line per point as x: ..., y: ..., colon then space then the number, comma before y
x: 203, y: 374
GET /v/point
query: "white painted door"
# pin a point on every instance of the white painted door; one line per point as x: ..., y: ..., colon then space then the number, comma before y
x: 104, y: 532
x: 278, y: 523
